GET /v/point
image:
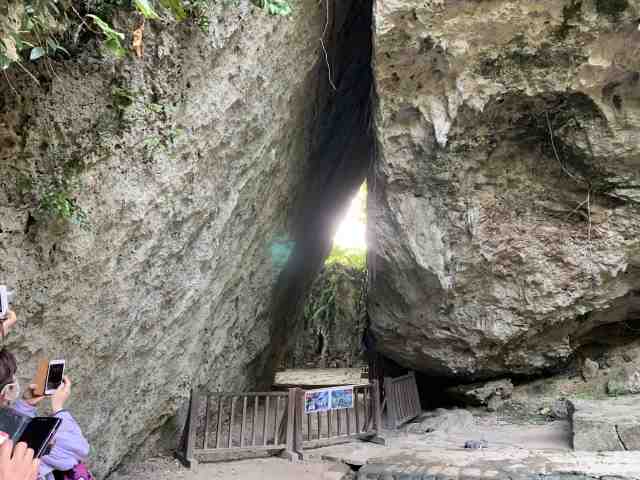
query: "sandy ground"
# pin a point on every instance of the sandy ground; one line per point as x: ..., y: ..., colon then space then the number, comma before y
x: 258, y: 469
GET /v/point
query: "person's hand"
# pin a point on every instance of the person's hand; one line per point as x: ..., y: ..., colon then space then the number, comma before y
x: 9, y: 322
x: 61, y: 395
x: 30, y: 397
x: 19, y: 466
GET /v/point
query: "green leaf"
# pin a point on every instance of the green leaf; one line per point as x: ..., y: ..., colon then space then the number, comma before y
x: 36, y: 53
x: 176, y: 8
x: 146, y: 9
x: 113, y: 37
x: 106, y: 29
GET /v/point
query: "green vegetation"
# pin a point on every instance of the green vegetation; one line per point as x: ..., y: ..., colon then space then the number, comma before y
x: 613, y: 8
x: 57, y: 202
x: 335, y: 279
x: 350, y: 257
x: 33, y: 29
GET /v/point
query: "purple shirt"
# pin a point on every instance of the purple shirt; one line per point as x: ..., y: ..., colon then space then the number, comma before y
x: 69, y: 448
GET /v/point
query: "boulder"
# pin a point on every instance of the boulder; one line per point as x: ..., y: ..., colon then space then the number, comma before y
x: 503, y: 210
x: 486, y: 394
x: 605, y: 425
x: 443, y: 420
x: 624, y: 381
x: 590, y: 369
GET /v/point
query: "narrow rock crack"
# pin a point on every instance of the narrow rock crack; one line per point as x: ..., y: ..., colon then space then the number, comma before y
x: 624, y: 447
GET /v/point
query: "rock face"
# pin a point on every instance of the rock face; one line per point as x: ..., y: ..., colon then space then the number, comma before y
x: 605, y: 425
x: 197, y: 172
x: 504, y: 209
x: 333, y: 321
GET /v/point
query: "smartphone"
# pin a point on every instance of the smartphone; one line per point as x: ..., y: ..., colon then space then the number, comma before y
x: 4, y: 302
x: 39, y: 433
x: 55, y: 373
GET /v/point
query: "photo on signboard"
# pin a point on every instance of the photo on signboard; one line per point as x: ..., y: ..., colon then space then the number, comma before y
x: 342, y: 398
x: 316, y: 401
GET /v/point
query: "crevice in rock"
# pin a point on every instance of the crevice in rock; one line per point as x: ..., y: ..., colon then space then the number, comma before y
x: 624, y: 447
x: 341, y: 148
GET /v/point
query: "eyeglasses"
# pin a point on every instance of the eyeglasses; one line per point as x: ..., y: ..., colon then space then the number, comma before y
x: 11, y: 391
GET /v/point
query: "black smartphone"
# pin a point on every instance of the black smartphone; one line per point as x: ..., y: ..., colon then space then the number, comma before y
x: 39, y: 433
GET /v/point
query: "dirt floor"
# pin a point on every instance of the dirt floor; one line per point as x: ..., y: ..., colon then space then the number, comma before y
x: 432, y: 445
x: 258, y: 469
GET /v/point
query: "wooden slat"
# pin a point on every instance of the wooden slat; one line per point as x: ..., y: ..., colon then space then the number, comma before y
x: 356, y: 394
x: 291, y: 417
x: 266, y: 416
x: 367, y: 408
x: 376, y: 405
x: 219, y: 426
x: 338, y: 415
x: 232, y: 420
x: 244, y: 418
x: 318, y: 425
x: 205, y: 441
x: 254, y: 424
x: 251, y: 394
x: 329, y: 424
x: 308, y: 415
x: 192, y: 425
x: 348, y: 415
x: 276, y: 440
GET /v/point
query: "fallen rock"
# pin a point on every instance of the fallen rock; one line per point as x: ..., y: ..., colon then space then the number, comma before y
x: 590, y: 369
x: 443, y: 420
x: 476, y: 444
x: 489, y: 394
x: 605, y: 425
x: 624, y: 381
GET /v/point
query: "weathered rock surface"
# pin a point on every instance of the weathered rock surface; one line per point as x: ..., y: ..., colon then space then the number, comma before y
x: 606, y: 425
x: 443, y: 420
x: 198, y: 168
x: 624, y: 381
x: 333, y: 321
x: 486, y: 394
x: 504, y: 210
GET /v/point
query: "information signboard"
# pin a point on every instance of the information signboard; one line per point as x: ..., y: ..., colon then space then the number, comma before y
x: 324, y: 399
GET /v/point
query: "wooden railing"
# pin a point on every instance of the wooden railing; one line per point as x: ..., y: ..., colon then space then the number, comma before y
x: 225, y: 426
x: 361, y: 421
x: 402, y: 399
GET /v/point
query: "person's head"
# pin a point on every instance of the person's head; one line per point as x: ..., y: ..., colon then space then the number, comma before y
x: 9, y: 387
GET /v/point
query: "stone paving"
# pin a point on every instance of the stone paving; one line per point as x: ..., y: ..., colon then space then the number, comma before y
x: 515, y: 452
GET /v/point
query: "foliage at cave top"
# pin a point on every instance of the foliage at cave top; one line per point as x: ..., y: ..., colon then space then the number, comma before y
x: 32, y: 29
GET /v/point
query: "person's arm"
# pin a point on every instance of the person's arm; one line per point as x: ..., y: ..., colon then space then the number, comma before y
x: 19, y: 465
x: 9, y: 322
x: 27, y: 405
x: 70, y: 446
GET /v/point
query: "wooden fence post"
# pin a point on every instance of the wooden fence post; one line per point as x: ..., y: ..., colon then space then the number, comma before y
x: 190, y: 429
x: 299, y: 438
x: 377, y: 414
x: 290, y: 453
x: 389, y: 397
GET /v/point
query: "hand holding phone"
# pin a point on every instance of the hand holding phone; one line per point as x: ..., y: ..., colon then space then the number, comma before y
x: 61, y: 395
x: 48, y: 377
x: 17, y: 463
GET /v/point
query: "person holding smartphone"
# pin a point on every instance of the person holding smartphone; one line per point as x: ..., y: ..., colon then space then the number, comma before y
x: 69, y: 444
